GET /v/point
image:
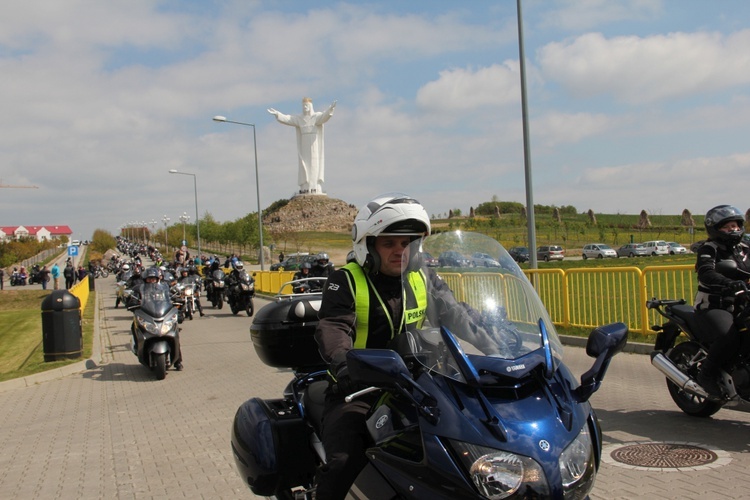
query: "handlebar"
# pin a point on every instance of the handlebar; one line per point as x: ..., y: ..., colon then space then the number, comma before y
x: 657, y: 303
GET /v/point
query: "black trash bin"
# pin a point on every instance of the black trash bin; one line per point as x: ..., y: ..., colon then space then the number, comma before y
x: 61, y: 326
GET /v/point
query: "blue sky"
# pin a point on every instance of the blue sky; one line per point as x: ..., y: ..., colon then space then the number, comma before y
x: 634, y: 104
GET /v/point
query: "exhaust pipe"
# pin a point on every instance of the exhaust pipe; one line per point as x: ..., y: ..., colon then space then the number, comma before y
x: 664, y: 365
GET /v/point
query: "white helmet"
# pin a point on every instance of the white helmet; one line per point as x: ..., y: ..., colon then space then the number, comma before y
x: 125, y: 267
x: 388, y: 214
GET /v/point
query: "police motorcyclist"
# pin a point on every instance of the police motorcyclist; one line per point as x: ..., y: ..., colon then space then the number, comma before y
x: 151, y: 281
x: 186, y: 277
x: 722, y: 266
x: 382, y: 233
x: 323, y: 266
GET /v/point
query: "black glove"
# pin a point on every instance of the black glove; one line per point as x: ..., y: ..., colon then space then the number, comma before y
x: 735, y: 286
x: 344, y: 383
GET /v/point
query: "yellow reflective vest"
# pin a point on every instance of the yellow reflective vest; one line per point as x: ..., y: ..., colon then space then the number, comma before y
x: 414, y: 302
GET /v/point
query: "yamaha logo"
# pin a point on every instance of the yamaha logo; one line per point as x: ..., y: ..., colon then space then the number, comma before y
x: 544, y: 445
x: 515, y: 368
x: 381, y: 422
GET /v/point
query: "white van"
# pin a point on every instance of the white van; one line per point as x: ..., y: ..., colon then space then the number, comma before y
x: 657, y: 247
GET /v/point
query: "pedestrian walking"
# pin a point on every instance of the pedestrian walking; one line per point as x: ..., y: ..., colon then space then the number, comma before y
x: 70, y: 275
x: 55, y: 272
x: 44, y: 273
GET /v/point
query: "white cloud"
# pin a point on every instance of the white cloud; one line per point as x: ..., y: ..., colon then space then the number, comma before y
x: 638, y: 70
x: 577, y: 15
x: 467, y: 90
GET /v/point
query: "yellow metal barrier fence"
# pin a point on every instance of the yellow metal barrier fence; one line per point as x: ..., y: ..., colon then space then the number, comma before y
x: 584, y: 297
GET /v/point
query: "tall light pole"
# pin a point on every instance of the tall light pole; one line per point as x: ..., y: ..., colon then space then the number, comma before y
x: 184, y: 218
x: 197, y: 221
x: 153, y: 230
x: 257, y: 182
x: 166, y: 241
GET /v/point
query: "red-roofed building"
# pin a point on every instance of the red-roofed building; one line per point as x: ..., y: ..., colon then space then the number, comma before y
x: 41, y: 233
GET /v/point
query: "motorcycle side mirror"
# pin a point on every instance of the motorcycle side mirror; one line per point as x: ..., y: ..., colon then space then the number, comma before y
x: 604, y: 342
x: 380, y: 367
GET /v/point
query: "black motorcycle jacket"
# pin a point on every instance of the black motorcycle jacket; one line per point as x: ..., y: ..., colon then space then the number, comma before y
x: 714, y: 277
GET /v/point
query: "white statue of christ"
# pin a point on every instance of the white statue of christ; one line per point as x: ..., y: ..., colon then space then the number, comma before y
x: 310, y: 152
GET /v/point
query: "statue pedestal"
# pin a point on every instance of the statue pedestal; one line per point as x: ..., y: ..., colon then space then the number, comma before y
x: 307, y: 193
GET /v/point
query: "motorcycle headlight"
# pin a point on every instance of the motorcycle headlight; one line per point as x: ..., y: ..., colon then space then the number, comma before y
x: 169, y: 324
x: 148, y: 325
x: 245, y: 286
x: 577, y: 466
x: 219, y: 284
x: 188, y: 291
x: 499, y: 474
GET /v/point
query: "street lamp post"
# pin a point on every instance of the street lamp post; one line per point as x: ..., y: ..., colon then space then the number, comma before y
x: 197, y: 220
x: 166, y: 241
x: 257, y: 182
x: 143, y: 225
x: 153, y: 230
x: 184, y: 218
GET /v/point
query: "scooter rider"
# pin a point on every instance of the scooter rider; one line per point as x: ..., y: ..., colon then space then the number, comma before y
x: 715, y: 301
x: 365, y: 305
x: 151, y: 280
x: 323, y: 266
x: 303, y: 273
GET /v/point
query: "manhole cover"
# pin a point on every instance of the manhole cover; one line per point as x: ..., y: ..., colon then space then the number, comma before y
x: 664, y: 456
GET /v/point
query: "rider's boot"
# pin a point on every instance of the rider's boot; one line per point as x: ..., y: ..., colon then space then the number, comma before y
x: 708, y: 378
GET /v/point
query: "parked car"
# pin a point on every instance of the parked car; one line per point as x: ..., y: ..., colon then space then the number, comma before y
x: 452, y: 258
x: 479, y: 259
x: 598, y: 251
x: 429, y: 260
x: 293, y: 262
x: 675, y: 248
x: 657, y: 247
x: 550, y: 252
x: 632, y: 250
x: 519, y: 254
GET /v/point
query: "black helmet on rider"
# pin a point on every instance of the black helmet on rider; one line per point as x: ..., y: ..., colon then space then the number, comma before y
x: 305, y: 265
x: 322, y: 259
x: 389, y: 214
x: 718, y: 217
x: 151, y: 275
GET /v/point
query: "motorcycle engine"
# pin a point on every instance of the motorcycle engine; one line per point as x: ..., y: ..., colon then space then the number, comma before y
x: 741, y: 378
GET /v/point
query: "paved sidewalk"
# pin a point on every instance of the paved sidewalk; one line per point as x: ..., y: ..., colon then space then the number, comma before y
x: 105, y: 428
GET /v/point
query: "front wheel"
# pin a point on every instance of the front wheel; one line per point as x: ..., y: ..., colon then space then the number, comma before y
x: 105, y: 273
x: 682, y: 356
x: 249, y: 309
x: 161, y: 366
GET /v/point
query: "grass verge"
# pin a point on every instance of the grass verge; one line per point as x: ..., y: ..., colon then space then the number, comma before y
x: 21, y: 350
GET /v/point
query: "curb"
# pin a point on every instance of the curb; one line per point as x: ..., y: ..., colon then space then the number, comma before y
x: 64, y: 371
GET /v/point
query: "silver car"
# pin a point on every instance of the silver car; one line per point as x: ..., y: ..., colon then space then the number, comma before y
x: 633, y: 250
x: 598, y: 251
x: 675, y: 248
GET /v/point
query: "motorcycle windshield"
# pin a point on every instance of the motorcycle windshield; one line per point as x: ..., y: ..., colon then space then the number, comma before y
x: 475, y: 314
x: 245, y: 277
x: 218, y: 275
x: 155, y: 300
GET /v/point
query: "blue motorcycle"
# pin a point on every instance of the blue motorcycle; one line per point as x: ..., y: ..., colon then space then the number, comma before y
x: 476, y: 402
